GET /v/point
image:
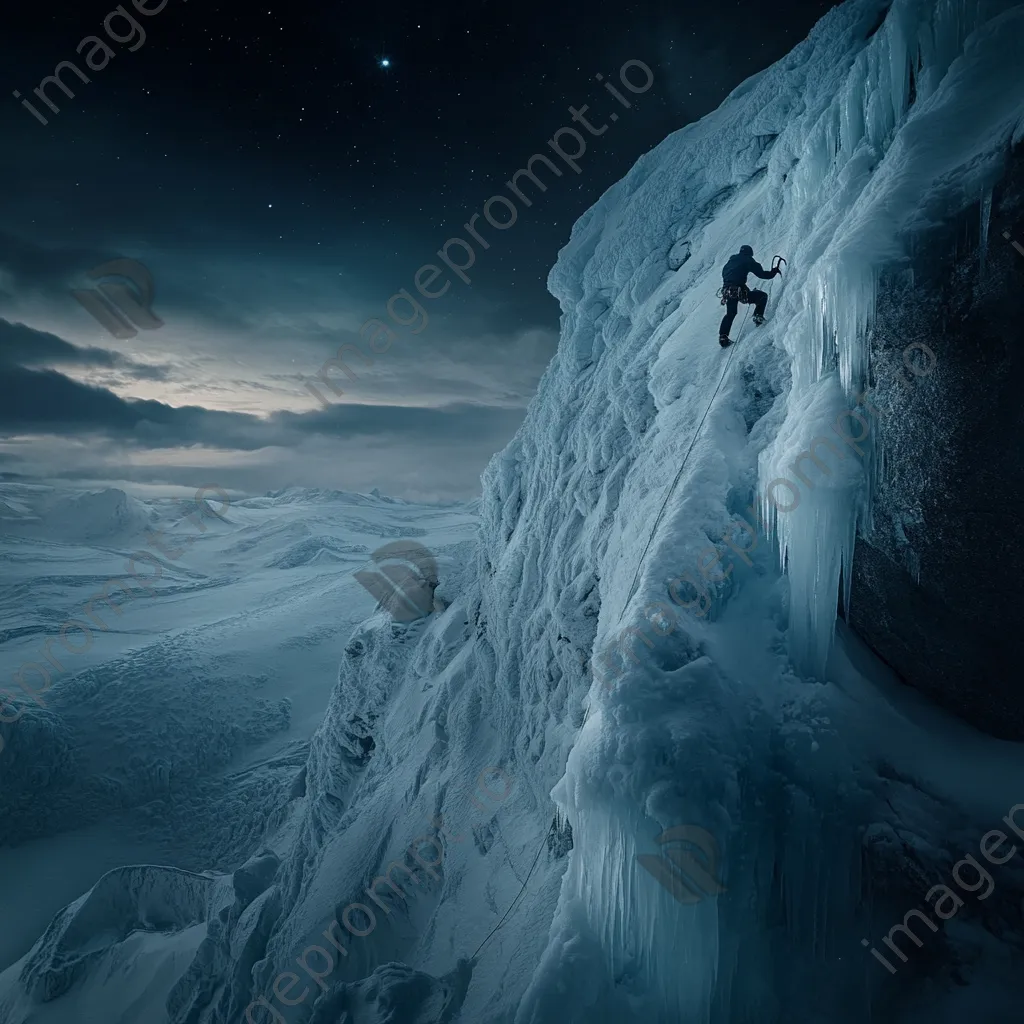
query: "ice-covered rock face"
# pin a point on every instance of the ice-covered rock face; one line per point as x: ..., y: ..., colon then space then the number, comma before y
x: 622, y: 646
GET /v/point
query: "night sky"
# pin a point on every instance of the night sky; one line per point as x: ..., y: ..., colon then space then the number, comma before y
x: 282, y: 170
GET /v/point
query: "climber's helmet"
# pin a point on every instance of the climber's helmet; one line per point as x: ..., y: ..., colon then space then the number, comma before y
x: 747, y: 251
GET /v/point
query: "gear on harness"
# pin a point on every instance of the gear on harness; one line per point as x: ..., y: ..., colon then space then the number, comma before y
x: 739, y: 292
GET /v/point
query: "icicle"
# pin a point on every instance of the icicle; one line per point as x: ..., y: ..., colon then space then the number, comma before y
x: 814, y: 498
x: 986, y: 224
x: 673, y: 947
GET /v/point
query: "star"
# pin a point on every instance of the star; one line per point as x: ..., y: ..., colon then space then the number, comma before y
x: 385, y: 62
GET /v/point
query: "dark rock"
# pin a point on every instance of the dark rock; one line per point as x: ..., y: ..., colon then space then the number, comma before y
x: 937, y: 584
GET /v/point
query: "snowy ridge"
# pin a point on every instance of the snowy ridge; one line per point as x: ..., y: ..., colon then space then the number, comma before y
x: 741, y: 713
x: 122, y: 902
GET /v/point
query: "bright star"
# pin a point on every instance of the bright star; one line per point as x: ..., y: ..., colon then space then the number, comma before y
x: 385, y: 62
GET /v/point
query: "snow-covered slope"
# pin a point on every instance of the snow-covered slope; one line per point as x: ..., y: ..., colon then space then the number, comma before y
x: 621, y: 657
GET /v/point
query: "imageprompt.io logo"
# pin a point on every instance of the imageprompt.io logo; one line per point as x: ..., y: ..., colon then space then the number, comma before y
x: 124, y: 302
x: 678, y: 870
x: 405, y: 590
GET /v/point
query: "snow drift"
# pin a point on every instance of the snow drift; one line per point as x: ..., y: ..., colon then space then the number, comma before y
x: 632, y: 657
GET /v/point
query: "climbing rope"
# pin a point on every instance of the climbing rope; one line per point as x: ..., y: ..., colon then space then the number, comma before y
x: 536, y: 859
x: 675, y: 482
x: 512, y: 905
x: 776, y: 262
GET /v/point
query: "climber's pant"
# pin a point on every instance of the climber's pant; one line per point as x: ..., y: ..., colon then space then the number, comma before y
x: 733, y: 298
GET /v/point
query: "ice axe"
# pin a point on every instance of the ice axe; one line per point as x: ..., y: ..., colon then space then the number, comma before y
x: 777, y: 263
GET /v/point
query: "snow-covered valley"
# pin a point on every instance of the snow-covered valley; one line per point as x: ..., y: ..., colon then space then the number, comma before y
x: 459, y: 819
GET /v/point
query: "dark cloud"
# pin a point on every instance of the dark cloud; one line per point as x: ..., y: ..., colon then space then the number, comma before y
x: 41, y: 268
x: 47, y: 402
x: 454, y: 422
x: 26, y: 347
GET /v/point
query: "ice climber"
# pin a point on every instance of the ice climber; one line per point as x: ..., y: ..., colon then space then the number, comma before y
x: 735, y: 290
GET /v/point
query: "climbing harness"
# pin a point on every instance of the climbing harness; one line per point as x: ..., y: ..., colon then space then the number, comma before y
x: 739, y: 292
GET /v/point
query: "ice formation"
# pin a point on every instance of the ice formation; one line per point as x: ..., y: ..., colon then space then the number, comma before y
x: 730, y: 706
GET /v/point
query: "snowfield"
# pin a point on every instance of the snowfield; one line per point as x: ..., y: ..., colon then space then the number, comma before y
x: 833, y: 796
x: 174, y: 729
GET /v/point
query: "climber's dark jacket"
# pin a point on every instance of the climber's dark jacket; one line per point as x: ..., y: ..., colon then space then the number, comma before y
x: 739, y: 266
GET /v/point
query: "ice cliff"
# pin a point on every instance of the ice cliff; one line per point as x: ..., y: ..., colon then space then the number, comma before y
x: 644, y: 637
